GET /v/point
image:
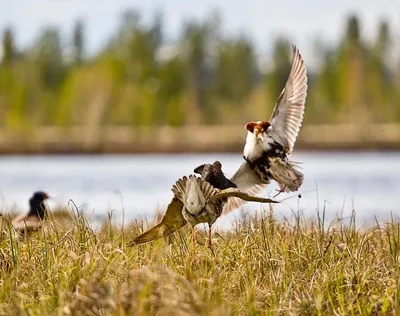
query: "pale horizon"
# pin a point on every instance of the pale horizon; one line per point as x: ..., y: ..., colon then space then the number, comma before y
x: 261, y: 21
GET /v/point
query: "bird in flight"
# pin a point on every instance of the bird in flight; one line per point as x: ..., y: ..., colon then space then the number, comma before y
x: 37, y: 212
x: 195, y: 201
x: 268, y: 144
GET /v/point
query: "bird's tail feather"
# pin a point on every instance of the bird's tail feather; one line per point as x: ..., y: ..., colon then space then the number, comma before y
x: 207, y: 189
x: 295, y: 164
x: 179, y: 188
x: 285, y: 173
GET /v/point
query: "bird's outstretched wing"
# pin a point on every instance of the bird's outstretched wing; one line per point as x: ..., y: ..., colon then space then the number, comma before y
x: 171, y: 222
x: 233, y: 192
x: 247, y: 181
x: 288, y: 113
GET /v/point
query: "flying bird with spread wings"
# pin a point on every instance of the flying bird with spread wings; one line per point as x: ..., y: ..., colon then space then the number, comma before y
x: 195, y: 201
x: 268, y: 144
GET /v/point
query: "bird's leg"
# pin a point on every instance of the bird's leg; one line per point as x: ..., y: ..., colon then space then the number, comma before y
x: 280, y: 191
x: 209, y: 236
x: 193, y: 237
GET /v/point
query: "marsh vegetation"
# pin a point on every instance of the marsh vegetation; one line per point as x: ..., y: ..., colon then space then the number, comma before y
x: 261, y: 266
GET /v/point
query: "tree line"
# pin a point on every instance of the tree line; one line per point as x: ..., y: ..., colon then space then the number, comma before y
x: 141, y: 79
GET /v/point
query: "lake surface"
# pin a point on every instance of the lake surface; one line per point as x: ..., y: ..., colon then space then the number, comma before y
x: 140, y: 184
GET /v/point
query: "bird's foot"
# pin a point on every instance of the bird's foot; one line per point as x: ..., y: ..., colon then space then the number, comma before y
x: 279, y: 192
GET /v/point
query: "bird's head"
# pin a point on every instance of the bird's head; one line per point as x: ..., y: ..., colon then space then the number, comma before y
x: 40, y: 196
x: 207, y: 170
x: 37, y: 206
x: 217, y: 165
x: 204, y: 170
x: 214, y: 175
x: 257, y: 128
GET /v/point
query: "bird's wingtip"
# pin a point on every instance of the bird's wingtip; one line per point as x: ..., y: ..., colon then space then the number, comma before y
x: 131, y: 244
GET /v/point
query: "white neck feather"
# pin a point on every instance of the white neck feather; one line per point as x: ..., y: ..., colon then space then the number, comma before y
x: 252, y: 149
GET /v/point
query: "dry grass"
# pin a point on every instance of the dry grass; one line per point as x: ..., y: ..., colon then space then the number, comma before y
x: 262, y: 266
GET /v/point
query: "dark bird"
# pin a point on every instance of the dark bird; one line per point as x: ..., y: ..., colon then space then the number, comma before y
x: 268, y: 144
x: 244, y: 179
x: 195, y: 201
x: 213, y: 174
x: 37, y: 212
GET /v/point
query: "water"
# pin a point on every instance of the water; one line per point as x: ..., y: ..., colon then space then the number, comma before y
x: 140, y: 184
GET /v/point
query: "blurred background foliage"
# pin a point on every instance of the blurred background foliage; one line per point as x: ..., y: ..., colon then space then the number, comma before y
x: 141, y: 79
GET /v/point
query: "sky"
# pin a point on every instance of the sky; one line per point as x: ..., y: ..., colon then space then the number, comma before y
x: 300, y: 21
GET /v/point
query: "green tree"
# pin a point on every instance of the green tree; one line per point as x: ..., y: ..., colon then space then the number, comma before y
x: 50, y: 58
x: 199, y: 42
x: 235, y: 74
x: 140, y: 79
x: 351, y: 65
x: 235, y: 70
x: 276, y: 78
x: 78, y: 42
x: 9, y: 52
x: 172, y: 84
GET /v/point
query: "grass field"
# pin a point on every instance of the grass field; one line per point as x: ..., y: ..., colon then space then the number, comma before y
x: 260, y: 267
